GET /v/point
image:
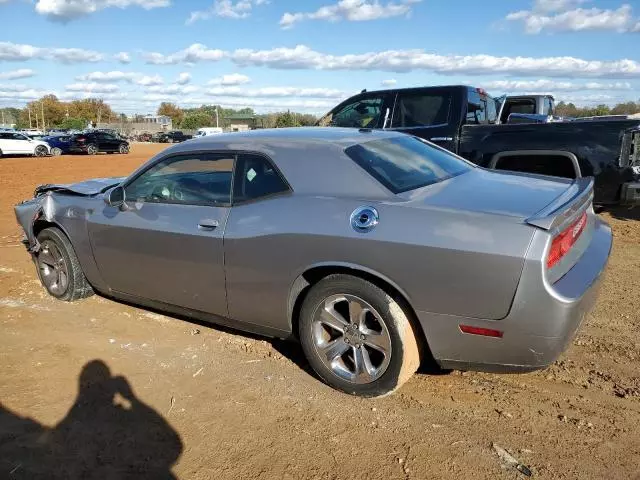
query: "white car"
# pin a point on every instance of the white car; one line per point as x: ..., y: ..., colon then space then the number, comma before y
x: 14, y: 143
x: 206, y: 131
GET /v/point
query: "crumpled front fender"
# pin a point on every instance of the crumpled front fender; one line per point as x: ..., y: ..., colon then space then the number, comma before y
x: 28, y: 212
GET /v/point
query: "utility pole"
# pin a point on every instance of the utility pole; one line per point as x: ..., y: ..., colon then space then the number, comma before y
x: 29, y: 110
x: 42, y: 110
x: 36, y: 114
x: 3, y: 118
x: 217, y: 126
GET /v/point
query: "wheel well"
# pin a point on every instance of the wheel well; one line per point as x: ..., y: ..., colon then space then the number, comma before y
x: 40, y: 225
x: 543, y: 162
x: 314, y: 275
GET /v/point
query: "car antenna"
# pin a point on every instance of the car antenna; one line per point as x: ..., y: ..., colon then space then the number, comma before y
x: 363, y: 90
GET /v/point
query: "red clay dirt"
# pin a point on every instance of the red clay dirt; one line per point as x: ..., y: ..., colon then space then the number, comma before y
x: 164, y: 396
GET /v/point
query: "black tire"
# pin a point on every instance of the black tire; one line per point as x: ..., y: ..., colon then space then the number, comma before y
x: 123, y: 149
x: 40, y: 151
x: 77, y: 285
x: 404, y: 354
x: 92, y: 149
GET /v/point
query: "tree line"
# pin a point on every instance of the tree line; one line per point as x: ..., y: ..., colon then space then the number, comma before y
x: 570, y: 110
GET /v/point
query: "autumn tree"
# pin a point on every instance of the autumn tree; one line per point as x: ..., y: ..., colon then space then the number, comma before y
x: 172, y: 111
x: 196, y: 120
x: 286, y: 119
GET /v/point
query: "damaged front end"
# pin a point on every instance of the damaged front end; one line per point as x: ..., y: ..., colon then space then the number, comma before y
x: 45, y: 205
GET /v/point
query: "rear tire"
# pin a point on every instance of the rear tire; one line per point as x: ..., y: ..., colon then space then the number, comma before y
x: 356, y: 337
x: 92, y: 149
x: 56, y: 152
x: 123, y: 149
x: 58, y: 267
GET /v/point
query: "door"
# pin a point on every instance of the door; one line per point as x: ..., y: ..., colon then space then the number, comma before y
x: 8, y: 144
x: 107, y: 142
x: 165, y: 243
x: 22, y: 144
x: 426, y: 113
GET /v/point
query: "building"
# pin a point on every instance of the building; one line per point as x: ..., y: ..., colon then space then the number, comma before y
x: 158, y: 120
x: 240, y: 122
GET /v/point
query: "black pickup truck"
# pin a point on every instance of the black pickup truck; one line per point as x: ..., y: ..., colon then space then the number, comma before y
x: 175, y: 136
x: 464, y: 120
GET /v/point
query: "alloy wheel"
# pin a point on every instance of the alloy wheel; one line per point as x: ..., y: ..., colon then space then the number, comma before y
x: 351, y: 338
x: 53, y: 268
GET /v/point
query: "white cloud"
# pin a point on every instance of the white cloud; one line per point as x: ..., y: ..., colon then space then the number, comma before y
x: 389, y: 83
x: 544, y: 85
x: 24, y: 95
x: 22, y: 52
x: 15, y: 74
x: 65, y: 10
x: 231, y: 79
x: 109, y: 96
x: 193, y: 54
x: 14, y: 87
x: 92, y: 87
x: 173, y: 89
x: 276, y: 92
x: 351, y: 10
x: 113, y: 76
x: 235, y: 9
x: 123, y: 57
x: 560, y: 16
x: 147, y: 80
x: 183, y: 78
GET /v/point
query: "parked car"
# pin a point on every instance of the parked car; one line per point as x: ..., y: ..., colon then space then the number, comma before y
x: 14, y: 143
x: 175, y: 136
x: 369, y: 247
x: 463, y: 120
x: 96, y: 141
x: 59, y: 144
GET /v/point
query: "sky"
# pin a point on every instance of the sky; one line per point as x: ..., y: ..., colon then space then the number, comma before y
x: 307, y: 55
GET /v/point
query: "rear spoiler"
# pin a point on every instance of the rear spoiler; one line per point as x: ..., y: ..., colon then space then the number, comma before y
x: 567, y: 207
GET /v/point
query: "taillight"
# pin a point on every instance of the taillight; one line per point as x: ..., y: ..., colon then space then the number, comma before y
x: 563, y: 242
x: 80, y: 139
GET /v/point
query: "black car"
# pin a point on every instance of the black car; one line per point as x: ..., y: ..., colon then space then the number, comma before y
x: 174, y: 136
x: 95, y: 142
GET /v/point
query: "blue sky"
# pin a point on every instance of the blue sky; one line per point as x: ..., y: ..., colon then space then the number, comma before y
x: 309, y: 54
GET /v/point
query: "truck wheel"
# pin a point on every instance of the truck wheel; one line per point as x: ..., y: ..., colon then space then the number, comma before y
x: 356, y: 337
x: 58, y: 267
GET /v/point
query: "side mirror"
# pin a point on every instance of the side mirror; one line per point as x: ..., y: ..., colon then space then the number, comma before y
x: 115, y: 197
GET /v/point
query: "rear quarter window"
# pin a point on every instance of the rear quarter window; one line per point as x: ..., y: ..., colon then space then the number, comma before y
x: 405, y: 163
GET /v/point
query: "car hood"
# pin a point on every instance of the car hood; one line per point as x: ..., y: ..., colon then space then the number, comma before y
x: 494, y: 192
x: 86, y: 187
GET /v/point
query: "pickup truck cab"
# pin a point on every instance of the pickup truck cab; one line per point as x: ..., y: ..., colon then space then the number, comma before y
x: 174, y: 136
x: 465, y: 121
x: 524, y: 105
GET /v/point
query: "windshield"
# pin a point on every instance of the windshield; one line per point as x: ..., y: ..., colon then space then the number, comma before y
x: 406, y: 163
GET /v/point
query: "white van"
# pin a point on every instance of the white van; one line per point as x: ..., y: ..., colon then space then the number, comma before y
x: 206, y: 131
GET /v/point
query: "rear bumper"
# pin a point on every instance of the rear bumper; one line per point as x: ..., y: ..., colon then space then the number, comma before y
x: 543, y: 319
x: 630, y: 194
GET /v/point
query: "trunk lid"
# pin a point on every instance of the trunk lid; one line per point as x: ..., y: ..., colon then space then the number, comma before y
x: 512, y: 194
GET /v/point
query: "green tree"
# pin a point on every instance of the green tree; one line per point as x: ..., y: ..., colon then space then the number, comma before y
x: 196, y: 120
x: 73, y: 124
x: 286, y: 119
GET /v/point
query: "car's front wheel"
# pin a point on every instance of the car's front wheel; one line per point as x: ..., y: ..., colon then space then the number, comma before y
x: 58, y: 267
x: 357, y: 338
x: 40, y: 151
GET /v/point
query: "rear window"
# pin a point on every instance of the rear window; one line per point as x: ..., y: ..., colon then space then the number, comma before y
x: 405, y: 163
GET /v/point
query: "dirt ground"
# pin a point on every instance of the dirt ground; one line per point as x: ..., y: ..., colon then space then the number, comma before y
x: 101, y: 389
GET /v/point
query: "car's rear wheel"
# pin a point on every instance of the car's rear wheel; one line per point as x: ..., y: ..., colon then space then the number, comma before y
x: 40, y: 151
x: 357, y: 338
x: 58, y: 267
x: 123, y: 148
x: 92, y: 149
x: 55, y: 151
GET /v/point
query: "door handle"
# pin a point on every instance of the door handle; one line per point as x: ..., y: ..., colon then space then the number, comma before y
x: 208, y: 224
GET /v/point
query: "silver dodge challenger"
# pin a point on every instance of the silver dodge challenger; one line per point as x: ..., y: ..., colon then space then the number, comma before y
x: 376, y: 250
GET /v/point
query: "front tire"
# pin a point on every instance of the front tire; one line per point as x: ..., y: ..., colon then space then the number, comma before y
x: 40, y: 151
x: 356, y: 337
x: 123, y: 149
x: 58, y: 267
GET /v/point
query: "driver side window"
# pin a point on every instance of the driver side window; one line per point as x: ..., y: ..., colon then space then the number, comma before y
x: 190, y: 179
x: 363, y: 113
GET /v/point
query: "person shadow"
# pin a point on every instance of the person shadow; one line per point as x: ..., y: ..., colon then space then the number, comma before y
x: 107, y: 434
